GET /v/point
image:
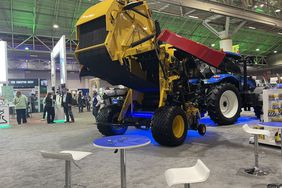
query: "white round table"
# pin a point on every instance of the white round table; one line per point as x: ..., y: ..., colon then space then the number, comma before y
x: 121, y: 143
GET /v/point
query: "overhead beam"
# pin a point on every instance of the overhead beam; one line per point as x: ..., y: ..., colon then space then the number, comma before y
x: 12, y: 22
x: 34, y: 17
x: 227, y: 11
x: 73, y: 29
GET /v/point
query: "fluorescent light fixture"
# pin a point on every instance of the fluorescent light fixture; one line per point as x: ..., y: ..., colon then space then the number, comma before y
x: 3, y: 62
x: 56, y: 26
x: 275, y: 51
x: 257, y: 49
x: 213, y: 45
x: 277, y: 10
x: 195, y: 17
x: 26, y: 48
x: 252, y: 27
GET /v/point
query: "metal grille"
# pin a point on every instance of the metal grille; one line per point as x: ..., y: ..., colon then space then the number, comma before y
x: 92, y: 33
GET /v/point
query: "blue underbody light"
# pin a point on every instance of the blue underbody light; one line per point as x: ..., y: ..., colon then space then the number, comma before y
x: 146, y: 115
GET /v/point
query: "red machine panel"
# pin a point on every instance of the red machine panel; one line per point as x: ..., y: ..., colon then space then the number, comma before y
x: 210, y: 56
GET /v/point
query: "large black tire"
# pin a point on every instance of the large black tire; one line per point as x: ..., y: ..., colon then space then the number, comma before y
x: 163, y: 124
x: 226, y: 113
x: 108, y: 116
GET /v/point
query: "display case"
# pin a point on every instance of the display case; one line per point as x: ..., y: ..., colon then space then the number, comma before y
x: 272, y: 105
x: 272, y: 112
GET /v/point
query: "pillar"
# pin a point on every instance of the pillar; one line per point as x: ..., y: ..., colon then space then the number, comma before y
x: 226, y: 45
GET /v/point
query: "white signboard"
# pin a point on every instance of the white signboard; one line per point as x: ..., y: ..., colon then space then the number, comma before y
x: 59, y: 51
x: 4, y: 115
x: 3, y: 62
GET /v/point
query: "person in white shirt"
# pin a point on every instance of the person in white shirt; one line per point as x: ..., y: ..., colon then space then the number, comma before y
x: 97, y: 101
x: 44, y: 107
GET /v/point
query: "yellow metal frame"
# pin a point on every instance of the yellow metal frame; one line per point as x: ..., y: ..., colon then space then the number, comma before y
x: 131, y: 96
x: 124, y: 27
x: 165, y: 84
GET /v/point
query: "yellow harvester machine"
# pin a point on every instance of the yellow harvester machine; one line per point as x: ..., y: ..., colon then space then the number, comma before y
x: 118, y: 41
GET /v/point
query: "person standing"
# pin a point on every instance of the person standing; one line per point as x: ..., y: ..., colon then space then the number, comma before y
x: 97, y: 101
x: 20, y: 102
x: 44, y: 107
x: 66, y: 103
x: 87, y: 101
x: 50, y: 108
x: 32, y: 102
x: 80, y: 102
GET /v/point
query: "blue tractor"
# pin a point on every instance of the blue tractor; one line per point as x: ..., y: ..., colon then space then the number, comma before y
x: 226, y: 91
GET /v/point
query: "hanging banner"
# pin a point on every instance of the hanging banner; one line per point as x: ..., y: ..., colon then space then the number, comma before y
x: 236, y: 48
x: 8, y: 93
x: 23, y: 83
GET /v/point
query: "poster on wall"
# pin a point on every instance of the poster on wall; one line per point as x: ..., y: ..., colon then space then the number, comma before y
x: 4, y: 115
x: 8, y: 93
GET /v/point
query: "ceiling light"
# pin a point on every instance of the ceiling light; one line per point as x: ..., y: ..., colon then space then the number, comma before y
x: 275, y: 51
x: 26, y: 48
x: 256, y: 6
x: 252, y: 27
x: 262, y: 5
x: 190, y: 16
x: 257, y: 49
x: 278, y: 10
x: 213, y: 45
x: 279, y: 33
x: 56, y: 26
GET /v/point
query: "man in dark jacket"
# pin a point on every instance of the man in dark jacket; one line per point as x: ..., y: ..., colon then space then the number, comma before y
x: 80, y: 102
x: 50, y: 108
x: 66, y: 103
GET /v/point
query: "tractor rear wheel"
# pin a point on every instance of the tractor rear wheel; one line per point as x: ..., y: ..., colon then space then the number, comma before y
x: 106, y: 118
x: 224, y: 104
x: 169, y: 126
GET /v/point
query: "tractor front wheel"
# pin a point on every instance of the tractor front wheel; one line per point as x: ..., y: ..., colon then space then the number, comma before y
x: 169, y: 126
x: 107, y: 121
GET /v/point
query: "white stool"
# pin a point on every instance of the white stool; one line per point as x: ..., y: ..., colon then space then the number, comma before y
x: 256, y: 171
x: 195, y: 174
x: 68, y: 157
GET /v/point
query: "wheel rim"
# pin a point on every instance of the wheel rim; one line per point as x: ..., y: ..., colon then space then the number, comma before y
x: 178, y: 126
x: 229, y: 104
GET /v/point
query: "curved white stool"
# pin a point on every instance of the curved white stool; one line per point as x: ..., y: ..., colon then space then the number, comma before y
x: 68, y: 157
x: 195, y: 174
x: 256, y: 170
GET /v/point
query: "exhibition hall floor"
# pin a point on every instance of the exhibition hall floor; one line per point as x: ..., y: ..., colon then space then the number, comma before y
x: 224, y: 149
